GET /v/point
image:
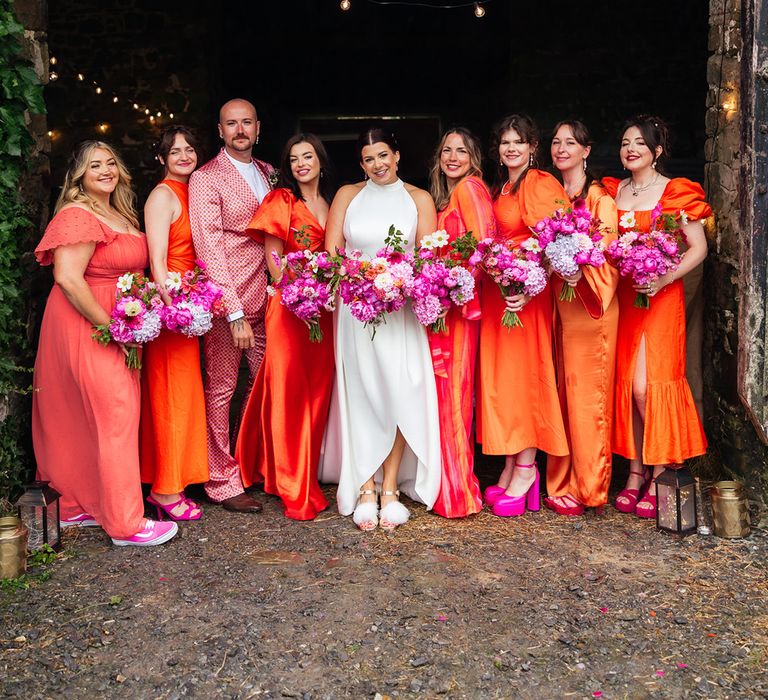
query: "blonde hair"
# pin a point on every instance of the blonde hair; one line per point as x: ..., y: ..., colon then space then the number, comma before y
x: 122, y: 200
x: 438, y: 182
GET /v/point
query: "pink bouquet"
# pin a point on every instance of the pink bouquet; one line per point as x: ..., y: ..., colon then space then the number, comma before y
x: 648, y: 256
x: 195, y: 301
x: 515, y: 271
x: 377, y: 287
x: 135, y: 316
x: 306, y: 287
x: 571, y: 239
x: 438, y: 282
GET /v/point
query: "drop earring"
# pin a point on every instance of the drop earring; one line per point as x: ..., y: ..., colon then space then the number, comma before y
x: 530, y: 160
x: 585, y: 164
x: 257, y: 138
x: 653, y: 165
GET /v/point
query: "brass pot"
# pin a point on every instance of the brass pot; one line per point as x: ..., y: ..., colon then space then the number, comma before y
x: 730, y: 509
x: 13, y: 547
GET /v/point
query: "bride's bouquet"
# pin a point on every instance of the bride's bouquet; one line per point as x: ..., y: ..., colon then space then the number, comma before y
x: 135, y: 317
x: 195, y: 301
x: 647, y: 256
x: 570, y: 240
x: 373, y: 288
x: 439, y: 281
x: 307, y: 287
x: 514, y: 270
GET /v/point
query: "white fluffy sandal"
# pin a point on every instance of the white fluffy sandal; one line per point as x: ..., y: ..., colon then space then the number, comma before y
x: 394, y: 513
x: 366, y: 515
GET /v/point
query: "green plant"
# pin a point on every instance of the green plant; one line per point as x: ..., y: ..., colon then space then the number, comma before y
x: 20, y: 94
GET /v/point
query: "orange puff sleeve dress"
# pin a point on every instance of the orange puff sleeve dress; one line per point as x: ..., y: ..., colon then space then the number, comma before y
x: 284, y: 420
x: 454, y: 357
x: 585, y: 338
x: 517, y: 402
x: 673, y: 430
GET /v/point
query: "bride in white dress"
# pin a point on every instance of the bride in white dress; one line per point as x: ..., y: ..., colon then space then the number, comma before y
x: 383, y: 426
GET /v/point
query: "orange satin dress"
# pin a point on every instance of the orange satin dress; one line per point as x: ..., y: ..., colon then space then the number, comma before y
x: 85, y: 404
x: 673, y: 430
x: 517, y: 401
x: 585, y: 340
x: 173, y: 430
x: 453, y: 358
x: 282, y: 429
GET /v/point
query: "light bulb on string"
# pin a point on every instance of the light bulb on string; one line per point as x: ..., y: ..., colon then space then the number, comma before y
x: 53, y: 76
x: 80, y: 77
x: 152, y: 118
x: 146, y: 111
x: 115, y: 99
x: 345, y: 5
x: 103, y: 127
x: 159, y: 114
x: 479, y: 10
x: 98, y: 90
x: 170, y: 116
x: 52, y: 60
x: 135, y: 106
x: 50, y: 134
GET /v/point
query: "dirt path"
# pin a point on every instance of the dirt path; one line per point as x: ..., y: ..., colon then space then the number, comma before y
x: 259, y: 606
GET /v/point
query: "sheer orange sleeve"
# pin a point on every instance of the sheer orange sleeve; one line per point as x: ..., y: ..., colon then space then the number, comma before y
x: 68, y: 227
x: 273, y: 217
x: 686, y: 196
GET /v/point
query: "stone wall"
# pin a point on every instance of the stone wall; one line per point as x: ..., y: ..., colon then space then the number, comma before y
x: 730, y: 341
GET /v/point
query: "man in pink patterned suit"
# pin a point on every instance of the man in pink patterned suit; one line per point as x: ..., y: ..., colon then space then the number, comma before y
x: 223, y: 196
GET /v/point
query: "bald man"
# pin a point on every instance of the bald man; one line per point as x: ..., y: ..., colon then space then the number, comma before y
x: 223, y: 196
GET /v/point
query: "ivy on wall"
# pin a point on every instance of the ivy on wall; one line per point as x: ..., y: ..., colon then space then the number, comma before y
x: 20, y: 94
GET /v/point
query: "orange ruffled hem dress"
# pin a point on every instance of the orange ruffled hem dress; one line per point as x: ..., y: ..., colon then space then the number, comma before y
x: 282, y: 429
x: 454, y: 357
x: 85, y: 405
x: 173, y: 430
x: 517, y: 401
x: 673, y: 430
x: 585, y: 340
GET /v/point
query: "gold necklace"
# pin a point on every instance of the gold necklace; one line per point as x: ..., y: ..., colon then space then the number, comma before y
x: 508, y: 182
x: 637, y: 190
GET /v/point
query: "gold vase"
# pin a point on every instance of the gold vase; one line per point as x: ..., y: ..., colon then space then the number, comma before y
x: 13, y: 547
x: 730, y: 509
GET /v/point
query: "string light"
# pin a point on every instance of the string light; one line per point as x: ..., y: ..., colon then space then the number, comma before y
x: 103, y: 127
x: 115, y: 99
x: 80, y: 77
x: 345, y: 5
x: 479, y: 10
x: 98, y: 90
x: 53, y: 76
x: 52, y: 60
x: 50, y: 134
x: 159, y: 114
x: 170, y: 116
x: 135, y: 106
x: 146, y: 111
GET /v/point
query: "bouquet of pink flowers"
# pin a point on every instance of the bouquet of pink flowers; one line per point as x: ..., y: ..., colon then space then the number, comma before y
x: 438, y: 282
x: 515, y: 271
x: 571, y: 239
x: 648, y: 256
x: 195, y: 301
x: 135, y: 317
x: 379, y: 286
x: 306, y: 287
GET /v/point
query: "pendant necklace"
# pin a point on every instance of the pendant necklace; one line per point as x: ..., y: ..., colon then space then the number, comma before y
x: 637, y: 190
x: 507, y: 183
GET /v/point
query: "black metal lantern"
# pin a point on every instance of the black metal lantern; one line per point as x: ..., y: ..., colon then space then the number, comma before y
x: 676, y: 502
x: 38, y: 509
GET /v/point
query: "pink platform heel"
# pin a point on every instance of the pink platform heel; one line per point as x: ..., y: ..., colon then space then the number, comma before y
x: 492, y: 494
x: 187, y: 514
x: 511, y: 506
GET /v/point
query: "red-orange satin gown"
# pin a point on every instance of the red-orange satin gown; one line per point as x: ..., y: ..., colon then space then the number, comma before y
x: 85, y: 406
x: 283, y: 424
x: 453, y: 357
x: 173, y: 430
x: 585, y: 339
x: 517, y: 402
x: 673, y: 430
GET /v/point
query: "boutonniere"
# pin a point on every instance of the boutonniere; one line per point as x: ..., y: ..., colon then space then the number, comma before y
x: 274, y: 176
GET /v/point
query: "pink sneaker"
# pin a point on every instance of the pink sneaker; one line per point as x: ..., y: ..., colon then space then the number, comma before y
x: 154, y: 532
x: 81, y: 520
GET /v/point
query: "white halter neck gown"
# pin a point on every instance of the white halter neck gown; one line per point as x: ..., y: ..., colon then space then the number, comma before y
x: 384, y: 383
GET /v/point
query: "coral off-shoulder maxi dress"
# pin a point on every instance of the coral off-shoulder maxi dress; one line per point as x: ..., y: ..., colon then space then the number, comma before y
x: 673, y: 430
x: 173, y: 433
x: 85, y: 405
x: 517, y: 403
x: 282, y: 429
x: 585, y: 341
x: 454, y: 357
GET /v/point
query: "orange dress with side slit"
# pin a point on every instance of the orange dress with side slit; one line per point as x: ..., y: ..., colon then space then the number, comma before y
x: 585, y: 341
x: 173, y: 430
x: 282, y: 428
x: 85, y: 404
x: 673, y: 430
x: 454, y: 356
x: 517, y: 401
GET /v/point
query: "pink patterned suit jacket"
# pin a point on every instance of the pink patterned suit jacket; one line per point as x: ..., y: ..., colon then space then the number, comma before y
x: 221, y: 205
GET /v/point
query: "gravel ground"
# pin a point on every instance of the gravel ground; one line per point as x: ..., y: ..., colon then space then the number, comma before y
x: 258, y: 606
